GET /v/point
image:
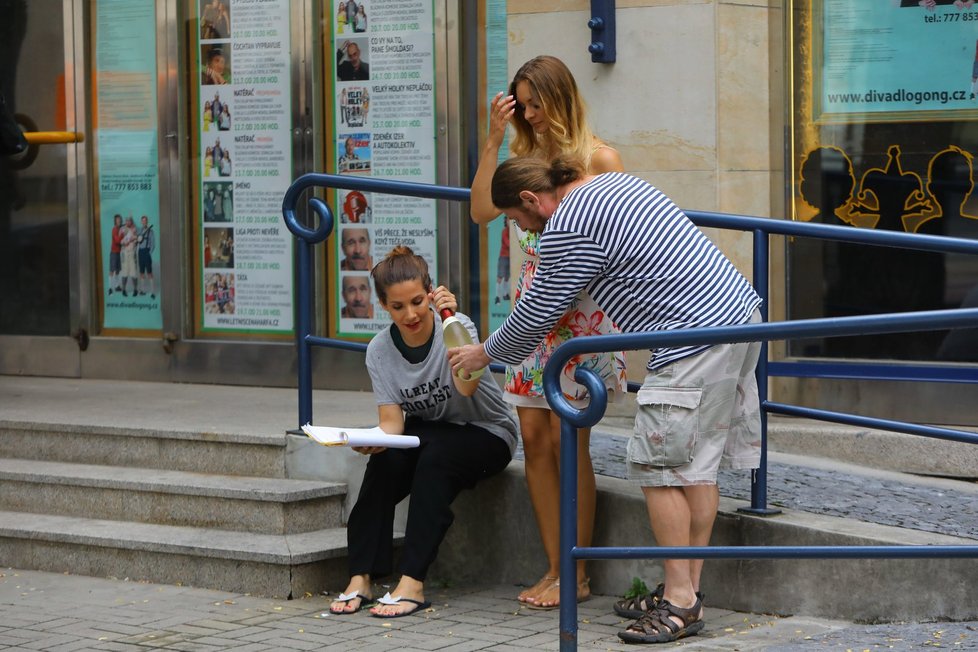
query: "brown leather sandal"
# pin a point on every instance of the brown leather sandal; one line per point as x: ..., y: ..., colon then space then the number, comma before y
x: 656, y: 626
x: 634, y: 607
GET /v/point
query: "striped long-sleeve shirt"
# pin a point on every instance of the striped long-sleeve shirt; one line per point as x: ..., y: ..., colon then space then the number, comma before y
x: 641, y: 259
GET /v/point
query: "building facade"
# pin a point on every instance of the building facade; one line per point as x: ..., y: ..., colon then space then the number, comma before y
x: 196, y: 114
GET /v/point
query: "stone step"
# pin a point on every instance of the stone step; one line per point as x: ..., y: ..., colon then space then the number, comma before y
x: 288, y: 565
x: 260, y: 505
x: 872, y: 448
x: 199, y: 452
x: 496, y: 519
x: 879, y: 449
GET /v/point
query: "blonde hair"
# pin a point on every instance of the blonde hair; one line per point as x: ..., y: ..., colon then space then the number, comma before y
x: 552, y: 85
x: 399, y: 265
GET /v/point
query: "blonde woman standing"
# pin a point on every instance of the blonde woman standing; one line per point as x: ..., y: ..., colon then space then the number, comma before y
x: 549, y: 119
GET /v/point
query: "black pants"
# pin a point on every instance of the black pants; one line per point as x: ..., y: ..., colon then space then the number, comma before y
x: 451, y: 458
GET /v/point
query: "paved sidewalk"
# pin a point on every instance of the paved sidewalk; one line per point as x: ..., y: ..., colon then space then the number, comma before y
x: 62, y: 613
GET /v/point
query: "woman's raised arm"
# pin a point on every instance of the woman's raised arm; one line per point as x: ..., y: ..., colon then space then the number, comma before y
x: 500, y: 113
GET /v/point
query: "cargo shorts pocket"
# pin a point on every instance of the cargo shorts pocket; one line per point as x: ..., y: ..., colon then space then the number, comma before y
x: 666, y: 426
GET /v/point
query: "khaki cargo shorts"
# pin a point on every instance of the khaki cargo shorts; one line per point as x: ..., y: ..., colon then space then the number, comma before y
x: 695, y: 415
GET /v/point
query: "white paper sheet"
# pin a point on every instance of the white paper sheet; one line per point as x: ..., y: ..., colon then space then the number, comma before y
x: 328, y: 436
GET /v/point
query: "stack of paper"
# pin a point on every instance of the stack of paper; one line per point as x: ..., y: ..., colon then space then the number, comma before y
x: 366, y: 437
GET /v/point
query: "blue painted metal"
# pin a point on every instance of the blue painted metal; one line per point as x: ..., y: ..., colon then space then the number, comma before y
x: 568, y: 482
x: 603, y: 47
x: 872, y: 422
x: 572, y: 418
x: 894, y: 322
x: 569, y: 552
x: 950, y: 373
x: 781, y: 552
x: 334, y: 343
x: 347, y: 182
x: 309, y: 237
x: 834, y: 232
x: 758, y: 476
x: 568, y: 528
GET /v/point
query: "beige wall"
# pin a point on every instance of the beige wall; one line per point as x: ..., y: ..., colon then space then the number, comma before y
x: 688, y: 102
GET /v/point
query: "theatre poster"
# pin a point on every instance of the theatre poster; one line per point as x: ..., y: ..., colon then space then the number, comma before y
x: 127, y: 165
x: 382, y: 69
x: 243, y: 108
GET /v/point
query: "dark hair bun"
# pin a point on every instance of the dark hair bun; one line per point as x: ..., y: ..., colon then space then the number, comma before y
x: 400, y: 250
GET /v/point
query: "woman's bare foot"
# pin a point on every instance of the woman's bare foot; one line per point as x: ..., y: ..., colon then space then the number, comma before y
x: 550, y: 598
x: 409, y: 589
x: 530, y: 594
x: 353, y: 598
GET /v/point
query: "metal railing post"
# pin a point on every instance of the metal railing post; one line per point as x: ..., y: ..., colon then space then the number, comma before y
x: 572, y: 418
x: 303, y: 318
x: 762, y: 278
x: 568, y: 535
x: 303, y: 331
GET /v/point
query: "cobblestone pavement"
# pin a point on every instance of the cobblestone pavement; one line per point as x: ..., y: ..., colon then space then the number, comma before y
x: 66, y: 613
x: 872, y: 499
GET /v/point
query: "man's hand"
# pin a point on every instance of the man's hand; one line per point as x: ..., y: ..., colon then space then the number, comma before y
x: 470, y: 358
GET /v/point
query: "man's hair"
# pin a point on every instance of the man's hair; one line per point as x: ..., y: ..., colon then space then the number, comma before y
x: 213, y: 53
x: 531, y: 173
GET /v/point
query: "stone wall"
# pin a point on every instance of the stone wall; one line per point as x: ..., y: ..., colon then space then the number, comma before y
x: 692, y: 102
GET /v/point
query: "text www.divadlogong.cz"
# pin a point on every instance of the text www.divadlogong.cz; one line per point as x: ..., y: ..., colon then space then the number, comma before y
x: 901, y: 96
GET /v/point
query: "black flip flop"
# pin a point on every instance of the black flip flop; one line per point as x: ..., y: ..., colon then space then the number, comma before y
x: 389, y: 600
x: 343, y: 597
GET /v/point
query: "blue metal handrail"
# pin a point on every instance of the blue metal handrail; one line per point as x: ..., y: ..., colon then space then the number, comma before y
x: 573, y: 418
x: 309, y: 237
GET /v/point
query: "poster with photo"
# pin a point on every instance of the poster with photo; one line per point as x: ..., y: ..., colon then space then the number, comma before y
x: 896, y: 60
x: 385, y: 125
x: 218, y: 201
x: 127, y: 155
x: 354, y: 106
x: 244, y: 104
x: 355, y: 207
x: 354, y: 153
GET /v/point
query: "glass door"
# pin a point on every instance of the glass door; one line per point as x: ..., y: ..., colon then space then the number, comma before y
x: 35, y: 272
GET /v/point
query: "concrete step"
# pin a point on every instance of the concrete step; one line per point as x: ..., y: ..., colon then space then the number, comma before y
x: 880, y: 449
x: 147, y: 448
x: 288, y: 565
x: 496, y: 519
x: 252, y: 504
x: 868, y: 447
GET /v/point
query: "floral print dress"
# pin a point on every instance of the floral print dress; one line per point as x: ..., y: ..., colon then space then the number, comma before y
x: 524, y: 382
